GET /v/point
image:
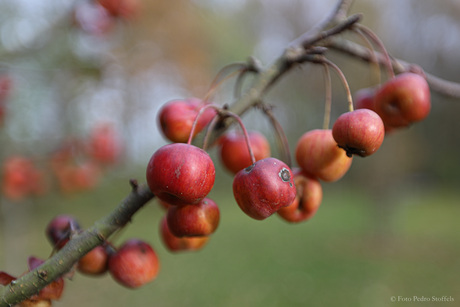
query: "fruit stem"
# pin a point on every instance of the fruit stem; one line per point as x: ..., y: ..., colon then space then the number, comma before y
x: 328, y: 102
x: 223, y: 75
x: 373, y: 56
x: 374, y: 38
x: 222, y: 113
x: 280, y: 134
x: 344, y: 81
x: 195, y: 122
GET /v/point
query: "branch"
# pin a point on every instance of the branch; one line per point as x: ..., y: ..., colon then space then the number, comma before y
x: 64, y: 260
x: 309, y: 47
x: 439, y: 85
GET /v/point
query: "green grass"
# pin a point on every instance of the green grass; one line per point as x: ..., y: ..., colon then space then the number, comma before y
x: 350, y: 254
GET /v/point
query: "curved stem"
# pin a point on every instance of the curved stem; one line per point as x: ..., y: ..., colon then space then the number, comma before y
x: 281, y: 136
x: 222, y: 76
x: 344, y: 81
x: 328, y: 102
x: 372, y: 36
x: 441, y: 86
x: 195, y: 122
x: 373, y: 57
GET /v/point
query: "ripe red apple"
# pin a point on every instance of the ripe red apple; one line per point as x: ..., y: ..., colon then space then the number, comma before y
x: 178, y: 244
x: 200, y: 219
x: 264, y: 187
x: 95, y: 262
x: 318, y: 155
x: 403, y: 100
x: 234, y: 152
x: 359, y: 132
x: 134, y: 264
x: 307, y: 201
x: 176, y: 118
x: 60, y: 229
x: 180, y: 174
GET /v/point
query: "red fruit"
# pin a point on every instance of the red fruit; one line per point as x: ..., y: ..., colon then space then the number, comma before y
x: 177, y: 244
x: 180, y: 174
x: 364, y: 99
x: 359, y: 132
x: 176, y: 118
x: 263, y: 188
x: 121, y: 8
x: 21, y: 178
x: 403, y: 100
x: 60, y: 229
x: 134, y: 264
x: 307, y: 201
x: 199, y: 219
x: 318, y: 155
x: 234, y: 152
x: 95, y: 262
x: 104, y: 145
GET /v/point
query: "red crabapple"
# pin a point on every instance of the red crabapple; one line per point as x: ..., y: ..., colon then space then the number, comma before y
x: 318, y: 155
x: 263, y: 188
x: 134, y: 264
x: 234, y: 152
x: 180, y: 174
x: 359, y: 132
x: 191, y: 220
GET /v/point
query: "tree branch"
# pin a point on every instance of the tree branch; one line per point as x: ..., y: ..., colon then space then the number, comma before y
x: 307, y: 48
x: 439, y: 85
x: 64, y: 260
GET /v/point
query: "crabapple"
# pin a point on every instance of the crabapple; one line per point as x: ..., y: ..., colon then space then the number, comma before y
x: 134, y: 264
x: 264, y: 187
x: 95, y: 262
x: 359, y: 132
x: 190, y: 220
x: 60, y: 228
x: 307, y: 201
x: 403, y: 100
x: 364, y: 98
x: 234, y: 152
x: 177, y: 244
x: 180, y: 174
x: 318, y: 155
x: 176, y: 118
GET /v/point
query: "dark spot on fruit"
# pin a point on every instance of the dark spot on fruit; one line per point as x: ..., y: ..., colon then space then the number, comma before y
x: 285, y: 175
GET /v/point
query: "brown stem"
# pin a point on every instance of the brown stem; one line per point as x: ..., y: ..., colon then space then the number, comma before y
x: 372, y: 36
x: 437, y: 84
x: 281, y: 136
x: 344, y: 82
x: 328, y: 102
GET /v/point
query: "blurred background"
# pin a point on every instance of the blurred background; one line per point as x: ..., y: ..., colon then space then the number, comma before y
x: 73, y: 77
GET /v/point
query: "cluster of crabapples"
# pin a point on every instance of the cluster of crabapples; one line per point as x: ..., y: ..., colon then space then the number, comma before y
x: 181, y: 175
x: 132, y: 264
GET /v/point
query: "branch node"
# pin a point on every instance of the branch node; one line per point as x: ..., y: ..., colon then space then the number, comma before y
x: 134, y: 184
